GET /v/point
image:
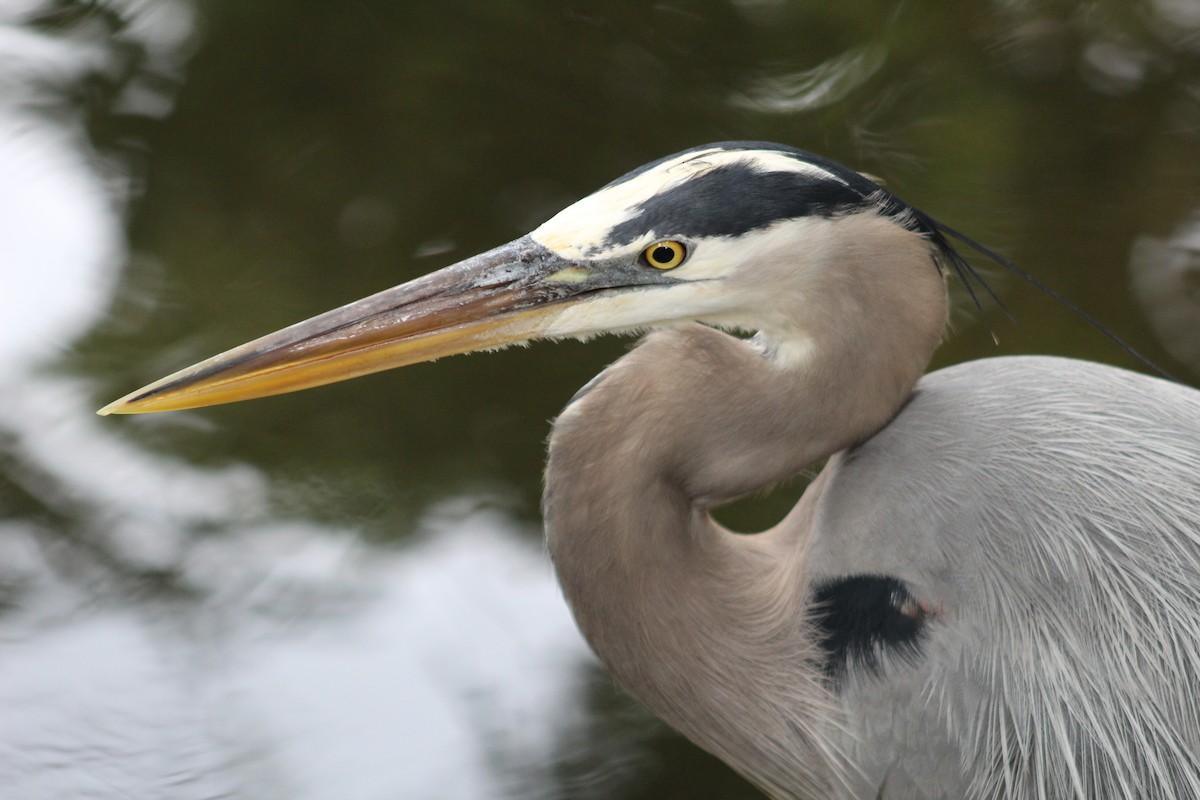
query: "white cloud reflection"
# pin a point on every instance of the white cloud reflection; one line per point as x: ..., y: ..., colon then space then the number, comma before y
x: 314, y: 668
x: 463, y: 658
x: 61, y: 241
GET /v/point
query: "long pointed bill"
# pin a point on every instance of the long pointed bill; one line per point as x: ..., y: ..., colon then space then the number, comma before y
x: 500, y: 297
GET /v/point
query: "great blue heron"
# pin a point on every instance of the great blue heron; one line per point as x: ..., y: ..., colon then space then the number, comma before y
x: 992, y: 590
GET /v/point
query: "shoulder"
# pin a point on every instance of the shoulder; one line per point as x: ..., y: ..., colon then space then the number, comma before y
x: 991, y: 404
x: 1013, y: 458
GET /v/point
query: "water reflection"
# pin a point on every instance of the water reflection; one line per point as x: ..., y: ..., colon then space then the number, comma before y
x: 441, y: 671
x: 62, y: 242
x: 284, y: 660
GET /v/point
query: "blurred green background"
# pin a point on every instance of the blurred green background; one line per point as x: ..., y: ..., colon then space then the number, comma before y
x: 260, y: 162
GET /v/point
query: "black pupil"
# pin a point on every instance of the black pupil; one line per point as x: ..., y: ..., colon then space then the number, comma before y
x: 662, y: 254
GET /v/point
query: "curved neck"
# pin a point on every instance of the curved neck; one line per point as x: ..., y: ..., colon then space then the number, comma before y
x: 705, y: 627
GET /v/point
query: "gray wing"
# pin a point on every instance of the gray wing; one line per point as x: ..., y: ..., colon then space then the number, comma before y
x: 1044, y: 515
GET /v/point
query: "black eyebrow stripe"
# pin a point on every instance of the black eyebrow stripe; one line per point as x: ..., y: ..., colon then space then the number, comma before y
x: 736, y: 198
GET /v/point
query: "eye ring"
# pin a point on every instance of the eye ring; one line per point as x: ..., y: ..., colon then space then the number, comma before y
x: 666, y: 254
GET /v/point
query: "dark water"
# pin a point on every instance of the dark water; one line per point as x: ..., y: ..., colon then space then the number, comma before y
x: 341, y: 593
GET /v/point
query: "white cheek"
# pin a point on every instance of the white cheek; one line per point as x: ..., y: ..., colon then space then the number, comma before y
x: 779, y: 256
x: 638, y: 310
x: 596, y: 316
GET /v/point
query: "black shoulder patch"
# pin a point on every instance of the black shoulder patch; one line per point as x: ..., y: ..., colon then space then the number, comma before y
x: 860, y: 617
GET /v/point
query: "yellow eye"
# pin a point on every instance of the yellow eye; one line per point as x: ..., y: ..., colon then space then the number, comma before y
x: 665, y: 255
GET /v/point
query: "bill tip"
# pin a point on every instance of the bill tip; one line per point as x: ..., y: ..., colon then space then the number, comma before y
x: 109, y: 409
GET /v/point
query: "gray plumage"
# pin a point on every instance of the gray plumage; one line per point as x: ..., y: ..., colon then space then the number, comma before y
x: 1049, y: 509
x: 991, y: 591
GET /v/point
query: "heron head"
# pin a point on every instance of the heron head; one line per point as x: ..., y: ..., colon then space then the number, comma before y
x: 700, y: 235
